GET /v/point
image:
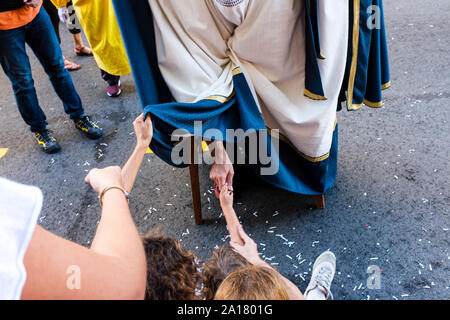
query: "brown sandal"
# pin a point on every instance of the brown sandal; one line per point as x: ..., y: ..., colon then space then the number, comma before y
x: 83, y: 51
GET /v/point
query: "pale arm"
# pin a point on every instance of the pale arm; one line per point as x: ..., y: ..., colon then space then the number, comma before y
x: 144, y: 133
x: 249, y: 250
x: 113, y: 268
x: 226, y: 202
x: 131, y: 167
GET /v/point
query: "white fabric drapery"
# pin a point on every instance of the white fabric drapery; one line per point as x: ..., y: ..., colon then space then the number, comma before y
x: 200, y: 43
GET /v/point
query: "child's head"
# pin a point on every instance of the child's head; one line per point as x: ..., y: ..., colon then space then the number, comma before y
x: 172, y: 273
x: 223, y: 261
x: 252, y: 283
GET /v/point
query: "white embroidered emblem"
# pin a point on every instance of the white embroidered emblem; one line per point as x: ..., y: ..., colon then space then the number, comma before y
x: 229, y: 3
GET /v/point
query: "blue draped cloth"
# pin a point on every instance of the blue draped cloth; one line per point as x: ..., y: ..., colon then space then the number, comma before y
x: 368, y: 62
x: 297, y: 172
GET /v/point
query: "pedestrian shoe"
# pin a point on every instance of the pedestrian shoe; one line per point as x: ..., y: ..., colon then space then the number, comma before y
x: 114, y: 90
x: 89, y: 128
x: 323, y: 273
x: 47, y: 142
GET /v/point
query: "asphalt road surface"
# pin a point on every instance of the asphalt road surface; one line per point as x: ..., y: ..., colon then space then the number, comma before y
x: 389, y: 207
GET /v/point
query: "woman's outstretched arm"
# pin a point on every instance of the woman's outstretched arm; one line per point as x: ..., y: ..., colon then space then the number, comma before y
x: 113, y: 268
x: 144, y: 133
x: 226, y: 202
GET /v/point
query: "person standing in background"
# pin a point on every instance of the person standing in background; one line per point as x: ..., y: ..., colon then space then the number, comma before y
x: 69, y: 18
x: 24, y: 22
x: 79, y: 47
x: 100, y: 26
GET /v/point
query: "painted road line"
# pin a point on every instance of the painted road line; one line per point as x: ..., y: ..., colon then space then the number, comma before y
x: 205, y: 146
x: 3, y: 151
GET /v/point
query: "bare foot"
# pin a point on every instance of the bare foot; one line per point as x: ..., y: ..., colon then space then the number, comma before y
x: 79, y: 48
x: 70, y: 66
x: 83, y: 51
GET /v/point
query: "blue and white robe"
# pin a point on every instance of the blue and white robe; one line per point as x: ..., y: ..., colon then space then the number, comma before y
x: 254, y: 65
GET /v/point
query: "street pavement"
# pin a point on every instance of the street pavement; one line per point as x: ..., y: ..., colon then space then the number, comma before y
x: 389, y: 208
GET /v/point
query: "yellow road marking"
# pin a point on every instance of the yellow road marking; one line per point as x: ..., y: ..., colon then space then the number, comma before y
x: 205, y: 146
x: 3, y: 151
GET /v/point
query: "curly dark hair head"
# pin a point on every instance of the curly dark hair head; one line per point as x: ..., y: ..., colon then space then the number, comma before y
x: 223, y: 261
x: 172, y: 273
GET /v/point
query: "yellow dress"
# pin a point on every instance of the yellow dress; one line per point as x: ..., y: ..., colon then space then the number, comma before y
x: 102, y: 31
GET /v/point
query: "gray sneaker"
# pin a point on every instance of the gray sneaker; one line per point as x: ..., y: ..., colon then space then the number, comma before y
x: 323, y: 273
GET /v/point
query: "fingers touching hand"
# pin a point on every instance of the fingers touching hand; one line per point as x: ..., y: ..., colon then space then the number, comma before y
x: 226, y: 196
x: 249, y: 250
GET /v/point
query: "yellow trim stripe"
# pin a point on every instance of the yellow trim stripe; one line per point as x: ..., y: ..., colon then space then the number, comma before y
x: 3, y: 151
x: 149, y: 151
x: 314, y: 96
x: 373, y: 104
x: 355, y: 44
x: 223, y: 99
x: 310, y: 159
x: 355, y: 106
x: 220, y: 99
x: 237, y: 71
x: 386, y: 86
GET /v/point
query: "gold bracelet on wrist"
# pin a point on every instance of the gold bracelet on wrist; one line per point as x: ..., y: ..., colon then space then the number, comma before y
x: 100, y: 196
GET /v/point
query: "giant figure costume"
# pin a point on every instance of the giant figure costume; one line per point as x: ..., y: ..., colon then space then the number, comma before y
x: 258, y: 65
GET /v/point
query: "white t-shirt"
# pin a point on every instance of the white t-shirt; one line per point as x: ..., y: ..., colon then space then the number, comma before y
x: 20, y: 206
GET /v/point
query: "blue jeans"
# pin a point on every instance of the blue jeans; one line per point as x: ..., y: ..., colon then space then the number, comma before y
x: 40, y: 36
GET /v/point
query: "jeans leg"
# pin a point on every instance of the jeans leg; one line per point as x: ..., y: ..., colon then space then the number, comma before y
x: 42, y: 39
x: 15, y: 63
x: 110, y: 78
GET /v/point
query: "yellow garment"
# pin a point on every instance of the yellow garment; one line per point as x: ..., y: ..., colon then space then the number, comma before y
x: 102, y: 31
